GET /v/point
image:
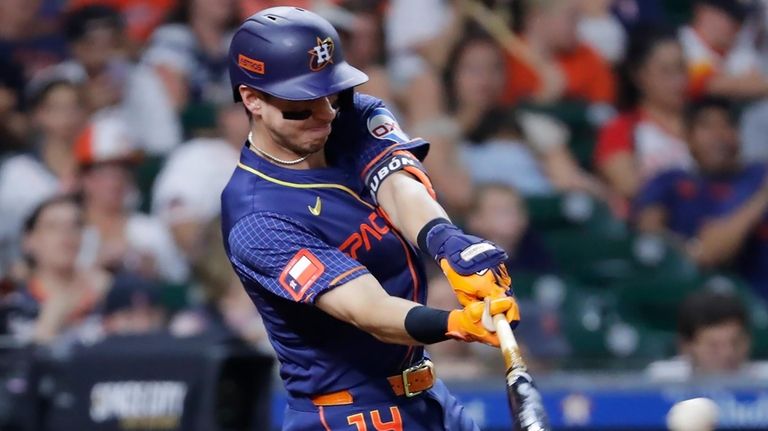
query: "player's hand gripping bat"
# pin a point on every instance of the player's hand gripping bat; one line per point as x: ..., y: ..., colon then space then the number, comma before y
x: 524, y: 399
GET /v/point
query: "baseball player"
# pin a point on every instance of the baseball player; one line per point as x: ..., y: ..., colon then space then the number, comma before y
x: 320, y: 221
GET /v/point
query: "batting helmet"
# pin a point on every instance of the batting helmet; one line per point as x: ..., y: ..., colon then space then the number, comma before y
x: 290, y: 53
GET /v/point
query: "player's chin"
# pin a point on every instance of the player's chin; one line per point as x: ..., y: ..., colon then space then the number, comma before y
x: 316, y: 139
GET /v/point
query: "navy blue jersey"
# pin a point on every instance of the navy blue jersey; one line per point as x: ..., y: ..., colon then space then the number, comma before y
x: 292, y: 235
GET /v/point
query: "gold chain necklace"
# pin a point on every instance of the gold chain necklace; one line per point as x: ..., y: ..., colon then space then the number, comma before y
x: 273, y: 158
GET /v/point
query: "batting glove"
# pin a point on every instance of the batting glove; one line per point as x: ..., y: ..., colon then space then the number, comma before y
x: 474, y: 266
x: 466, y: 325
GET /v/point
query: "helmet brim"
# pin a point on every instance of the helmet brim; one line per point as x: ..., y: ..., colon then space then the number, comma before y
x: 315, y: 85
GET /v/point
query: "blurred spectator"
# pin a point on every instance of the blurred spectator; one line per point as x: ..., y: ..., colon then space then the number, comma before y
x: 563, y: 67
x: 417, y: 51
x: 56, y: 113
x: 157, y: 92
x: 26, y: 39
x: 116, y: 237
x: 720, y: 62
x: 649, y: 136
x: 98, y: 64
x: 723, y: 61
x: 186, y: 204
x: 361, y: 29
x: 13, y: 123
x: 141, y: 16
x: 714, y: 339
x: 499, y: 215
x: 56, y: 296
x: 601, y: 30
x: 224, y: 305
x: 132, y: 307
x: 524, y: 149
x: 247, y: 8
x: 183, y: 66
x: 721, y: 208
x: 201, y: 31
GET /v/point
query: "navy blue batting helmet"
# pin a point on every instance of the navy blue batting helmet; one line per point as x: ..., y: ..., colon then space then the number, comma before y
x: 290, y: 53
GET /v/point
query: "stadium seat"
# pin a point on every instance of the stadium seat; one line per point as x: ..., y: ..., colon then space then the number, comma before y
x: 569, y: 210
x: 595, y: 259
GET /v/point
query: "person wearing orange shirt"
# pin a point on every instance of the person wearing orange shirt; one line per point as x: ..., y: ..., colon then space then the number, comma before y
x: 721, y: 62
x: 560, y: 66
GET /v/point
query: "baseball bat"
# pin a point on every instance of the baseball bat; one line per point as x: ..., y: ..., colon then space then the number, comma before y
x: 524, y: 399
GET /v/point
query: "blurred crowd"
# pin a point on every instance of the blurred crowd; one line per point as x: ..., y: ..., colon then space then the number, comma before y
x: 615, y: 148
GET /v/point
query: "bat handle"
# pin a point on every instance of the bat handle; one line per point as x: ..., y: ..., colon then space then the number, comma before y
x: 498, y: 324
x: 504, y: 332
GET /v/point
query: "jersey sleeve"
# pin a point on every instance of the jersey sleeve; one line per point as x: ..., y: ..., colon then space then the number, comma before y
x: 288, y: 259
x: 385, y: 148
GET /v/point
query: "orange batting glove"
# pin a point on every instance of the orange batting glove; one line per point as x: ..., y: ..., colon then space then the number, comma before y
x: 490, y: 283
x: 466, y: 325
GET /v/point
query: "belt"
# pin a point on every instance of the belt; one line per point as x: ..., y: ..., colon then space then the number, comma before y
x: 411, y: 382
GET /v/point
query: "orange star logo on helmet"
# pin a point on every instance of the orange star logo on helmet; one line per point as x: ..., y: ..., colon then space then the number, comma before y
x: 321, y: 55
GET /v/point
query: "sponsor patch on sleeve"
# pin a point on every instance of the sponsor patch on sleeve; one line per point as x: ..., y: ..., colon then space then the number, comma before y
x: 300, y: 273
x: 382, y: 125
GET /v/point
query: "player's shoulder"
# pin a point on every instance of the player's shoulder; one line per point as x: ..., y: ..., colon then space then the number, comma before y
x: 365, y: 103
x: 380, y: 121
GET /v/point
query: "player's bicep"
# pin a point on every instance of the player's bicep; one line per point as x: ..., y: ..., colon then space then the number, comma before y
x: 387, y: 149
x: 287, y: 259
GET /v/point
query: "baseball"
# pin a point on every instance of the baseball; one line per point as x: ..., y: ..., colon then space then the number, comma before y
x: 696, y: 414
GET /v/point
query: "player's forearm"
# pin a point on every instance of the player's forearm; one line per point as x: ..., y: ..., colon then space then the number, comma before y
x: 363, y: 303
x: 386, y: 321
x: 408, y: 204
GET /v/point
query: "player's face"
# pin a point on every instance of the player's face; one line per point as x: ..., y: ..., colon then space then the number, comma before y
x: 714, y: 141
x: 719, y: 348
x: 303, y: 135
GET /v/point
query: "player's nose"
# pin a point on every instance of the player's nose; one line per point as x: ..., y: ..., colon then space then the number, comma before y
x: 323, y: 109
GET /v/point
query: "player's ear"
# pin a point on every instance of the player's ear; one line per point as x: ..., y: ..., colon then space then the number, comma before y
x: 251, y: 99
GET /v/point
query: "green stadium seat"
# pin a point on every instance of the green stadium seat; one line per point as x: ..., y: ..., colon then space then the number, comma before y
x: 595, y: 259
x: 571, y: 210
